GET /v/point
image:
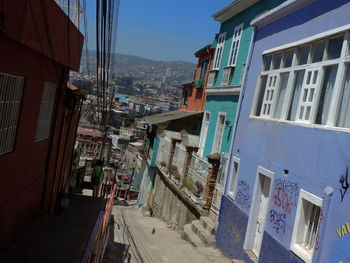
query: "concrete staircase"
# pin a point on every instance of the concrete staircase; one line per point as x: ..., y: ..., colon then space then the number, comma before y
x: 200, y: 233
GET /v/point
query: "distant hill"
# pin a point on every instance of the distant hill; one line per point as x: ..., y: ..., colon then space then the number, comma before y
x: 143, y: 68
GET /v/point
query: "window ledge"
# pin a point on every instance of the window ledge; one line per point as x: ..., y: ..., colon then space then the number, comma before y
x: 230, y: 66
x: 214, y: 70
x: 313, y: 126
x: 301, y: 253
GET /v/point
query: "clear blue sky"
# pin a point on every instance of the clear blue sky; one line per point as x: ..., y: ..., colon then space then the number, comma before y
x: 164, y: 29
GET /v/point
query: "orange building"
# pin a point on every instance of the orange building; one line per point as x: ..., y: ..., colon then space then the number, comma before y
x: 193, y: 93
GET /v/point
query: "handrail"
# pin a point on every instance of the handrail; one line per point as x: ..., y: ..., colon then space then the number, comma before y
x: 93, y: 237
x: 98, y: 239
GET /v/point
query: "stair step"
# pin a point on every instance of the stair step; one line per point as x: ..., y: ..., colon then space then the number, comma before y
x: 202, y: 233
x: 191, y: 237
x: 208, y: 224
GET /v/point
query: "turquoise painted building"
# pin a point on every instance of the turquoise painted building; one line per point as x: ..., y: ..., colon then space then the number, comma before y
x: 232, y: 45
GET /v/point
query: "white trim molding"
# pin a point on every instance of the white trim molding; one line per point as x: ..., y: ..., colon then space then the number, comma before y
x: 232, y: 178
x: 299, y: 228
x: 233, y: 9
x: 229, y: 90
x: 280, y: 11
x: 253, y: 212
x: 216, y: 131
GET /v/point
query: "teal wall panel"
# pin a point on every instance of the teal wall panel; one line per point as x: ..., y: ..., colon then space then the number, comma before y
x: 153, y: 162
x: 228, y: 26
x: 215, y: 104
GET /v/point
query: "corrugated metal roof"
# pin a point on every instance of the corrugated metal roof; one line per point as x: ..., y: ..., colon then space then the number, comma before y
x: 169, y: 116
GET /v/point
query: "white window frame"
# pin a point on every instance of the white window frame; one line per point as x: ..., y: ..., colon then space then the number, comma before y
x: 46, y: 109
x: 216, y: 130
x: 226, y: 76
x: 270, y: 94
x: 299, y: 250
x: 253, y: 213
x: 219, y: 50
x: 211, y: 78
x: 203, y: 137
x: 11, y: 90
x: 235, y: 45
x: 233, y: 178
x: 304, y: 103
x: 342, y: 62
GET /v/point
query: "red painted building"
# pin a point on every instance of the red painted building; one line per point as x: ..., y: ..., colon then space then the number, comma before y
x: 38, y: 46
x: 193, y: 93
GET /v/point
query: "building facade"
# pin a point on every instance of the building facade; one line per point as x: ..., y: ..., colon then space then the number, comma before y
x: 193, y: 93
x: 286, y: 194
x: 231, y: 46
x: 35, y: 59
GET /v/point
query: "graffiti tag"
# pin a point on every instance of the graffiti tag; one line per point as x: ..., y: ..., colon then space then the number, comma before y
x: 277, y: 220
x: 285, y: 195
x: 242, y: 196
x: 344, y: 184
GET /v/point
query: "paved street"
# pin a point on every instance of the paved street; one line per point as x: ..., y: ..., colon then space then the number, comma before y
x: 138, y: 238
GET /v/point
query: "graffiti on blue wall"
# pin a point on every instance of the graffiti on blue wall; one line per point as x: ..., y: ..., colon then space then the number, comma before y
x: 242, y: 196
x: 344, y: 184
x: 277, y: 220
x: 285, y: 195
x: 340, y: 252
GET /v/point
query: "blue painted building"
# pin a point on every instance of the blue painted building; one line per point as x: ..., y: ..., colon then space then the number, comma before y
x: 286, y: 197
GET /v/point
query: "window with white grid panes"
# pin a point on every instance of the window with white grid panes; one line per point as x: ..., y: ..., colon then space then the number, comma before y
x: 219, y: 50
x: 11, y: 88
x: 45, y: 114
x: 307, y: 97
x: 306, y: 224
x: 312, y: 82
x: 236, y: 40
x: 269, y: 96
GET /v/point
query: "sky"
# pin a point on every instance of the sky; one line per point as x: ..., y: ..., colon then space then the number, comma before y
x: 167, y: 30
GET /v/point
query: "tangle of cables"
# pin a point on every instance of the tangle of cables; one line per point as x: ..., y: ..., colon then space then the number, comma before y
x: 106, y: 21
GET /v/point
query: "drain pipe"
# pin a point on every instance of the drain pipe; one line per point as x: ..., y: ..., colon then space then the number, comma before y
x: 238, y: 112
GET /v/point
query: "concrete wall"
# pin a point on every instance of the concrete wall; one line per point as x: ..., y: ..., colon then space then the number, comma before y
x: 314, y: 157
x: 146, y: 187
x: 167, y: 206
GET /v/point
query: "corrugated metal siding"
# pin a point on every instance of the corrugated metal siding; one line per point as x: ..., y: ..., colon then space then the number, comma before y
x: 46, y: 107
x: 10, y: 101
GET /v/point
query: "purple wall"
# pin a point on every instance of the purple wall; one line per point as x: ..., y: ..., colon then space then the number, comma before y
x: 315, y: 158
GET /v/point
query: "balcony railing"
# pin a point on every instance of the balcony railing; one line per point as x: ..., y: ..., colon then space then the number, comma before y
x: 197, y: 170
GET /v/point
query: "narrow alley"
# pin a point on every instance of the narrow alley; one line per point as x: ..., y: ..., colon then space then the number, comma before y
x: 135, y: 237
